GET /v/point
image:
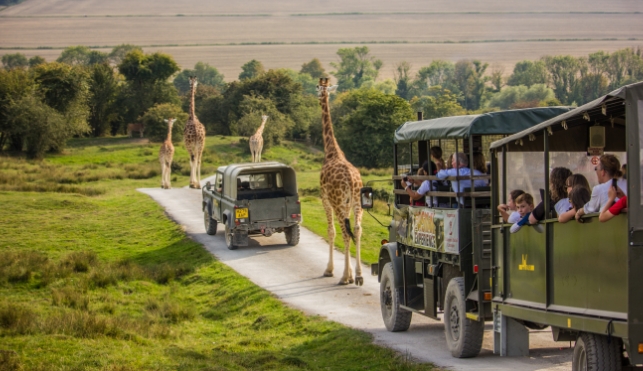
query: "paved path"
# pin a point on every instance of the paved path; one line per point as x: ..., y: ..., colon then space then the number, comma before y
x: 294, y: 274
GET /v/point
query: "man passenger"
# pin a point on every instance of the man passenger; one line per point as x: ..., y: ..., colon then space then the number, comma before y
x: 460, y: 167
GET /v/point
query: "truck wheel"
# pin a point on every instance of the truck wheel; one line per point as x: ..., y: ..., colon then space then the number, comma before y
x: 292, y: 235
x: 395, y: 318
x: 210, y: 224
x: 228, y: 239
x: 594, y: 352
x: 464, y: 336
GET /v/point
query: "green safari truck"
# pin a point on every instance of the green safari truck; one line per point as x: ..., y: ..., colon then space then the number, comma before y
x: 252, y: 199
x: 582, y: 278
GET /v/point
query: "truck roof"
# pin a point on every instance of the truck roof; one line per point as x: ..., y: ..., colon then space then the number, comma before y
x: 235, y: 169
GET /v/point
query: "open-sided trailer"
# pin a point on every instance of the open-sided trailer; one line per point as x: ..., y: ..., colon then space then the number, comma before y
x: 439, y: 259
x: 585, y: 280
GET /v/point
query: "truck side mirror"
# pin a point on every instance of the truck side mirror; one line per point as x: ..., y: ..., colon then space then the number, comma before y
x: 366, y: 197
x: 208, y: 186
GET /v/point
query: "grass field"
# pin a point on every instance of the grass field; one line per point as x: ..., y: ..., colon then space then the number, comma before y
x: 288, y: 33
x: 94, y: 276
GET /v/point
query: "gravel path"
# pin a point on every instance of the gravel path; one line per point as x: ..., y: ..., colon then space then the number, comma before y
x: 294, y: 274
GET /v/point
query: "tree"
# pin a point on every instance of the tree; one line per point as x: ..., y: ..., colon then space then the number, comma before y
x: 365, y: 119
x: 313, y: 68
x: 387, y: 86
x: 403, y: 80
x: 75, y: 55
x: 205, y: 74
x: 155, y: 125
x: 440, y: 73
x: 103, y: 91
x: 625, y: 66
x: 469, y: 77
x: 36, y: 61
x: 251, y: 109
x: 14, y: 85
x: 355, y: 67
x: 119, y: 52
x: 251, y: 69
x: 521, y: 96
x: 496, y: 78
x: 564, y: 71
x: 528, y: 73
x: 17, y: 60
x: 439, y: 102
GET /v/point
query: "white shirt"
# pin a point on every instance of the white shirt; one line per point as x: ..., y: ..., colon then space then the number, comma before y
x: 459, y: 185
x: 514, y: 217
x: 562, y: 206
x: 599, y: 198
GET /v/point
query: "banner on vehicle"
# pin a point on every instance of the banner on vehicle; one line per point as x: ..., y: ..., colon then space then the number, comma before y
x: 435, y: 229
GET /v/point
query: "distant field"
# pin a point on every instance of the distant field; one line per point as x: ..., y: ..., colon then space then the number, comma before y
x: 287, y: 33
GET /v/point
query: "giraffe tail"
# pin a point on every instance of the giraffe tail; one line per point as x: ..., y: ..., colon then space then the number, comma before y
x: 347, y: 223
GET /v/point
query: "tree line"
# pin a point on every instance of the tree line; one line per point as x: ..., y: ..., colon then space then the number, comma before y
x: 86, y: 92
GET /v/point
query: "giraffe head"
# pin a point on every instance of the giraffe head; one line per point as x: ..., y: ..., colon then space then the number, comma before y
x: 264, y: 118
x: 193, y: 82
x: 170, y: 122
x: 323, y: 89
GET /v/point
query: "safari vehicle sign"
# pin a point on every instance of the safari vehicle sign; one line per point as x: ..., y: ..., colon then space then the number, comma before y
x: 435, y: 229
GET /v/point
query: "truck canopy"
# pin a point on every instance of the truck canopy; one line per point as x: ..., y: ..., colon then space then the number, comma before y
x: 234, y: 170
x: 612, y: 103
x: 492, y: 123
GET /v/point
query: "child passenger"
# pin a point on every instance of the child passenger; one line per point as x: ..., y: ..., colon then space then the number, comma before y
x: 508, y: 211
x: 573, y: 182
x: 524, y: 205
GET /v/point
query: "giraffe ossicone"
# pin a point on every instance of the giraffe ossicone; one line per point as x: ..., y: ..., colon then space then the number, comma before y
x: 340, y: 184
x: 194, y: 139
x: 166, y: 154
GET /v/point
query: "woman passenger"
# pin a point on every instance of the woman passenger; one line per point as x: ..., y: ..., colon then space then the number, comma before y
x: 608, y: 171
x: 557, y: 192
x: 574, y: 181
x: 436, y: 157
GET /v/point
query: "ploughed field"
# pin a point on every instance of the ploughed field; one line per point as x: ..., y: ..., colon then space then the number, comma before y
x: 289, y: 33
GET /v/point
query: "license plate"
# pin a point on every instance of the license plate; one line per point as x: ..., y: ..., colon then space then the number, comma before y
x: 241, y: 213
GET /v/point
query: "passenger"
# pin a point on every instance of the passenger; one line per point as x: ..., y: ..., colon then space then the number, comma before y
x: 449, y: 162
x: 612, y: 208
x: 416, y: 196
x: 608, y: 168
x: 460, y: 167
x: 525, y: 205
x: 480, y: 164
x: 558, y: 195
x: 425, y: 169
x: 574, y: 181
x: 436, y: 157
x: 579, y: 196
x: 510, y: 206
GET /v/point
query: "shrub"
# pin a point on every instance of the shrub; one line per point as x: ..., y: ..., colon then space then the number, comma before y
x: 156, y: 127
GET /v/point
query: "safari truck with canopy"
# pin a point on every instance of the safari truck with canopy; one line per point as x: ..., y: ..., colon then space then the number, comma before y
x: 438, y: 257
x: 252, y: 199
x: 583, y: 278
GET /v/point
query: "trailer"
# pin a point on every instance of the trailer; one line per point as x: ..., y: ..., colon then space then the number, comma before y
x: 438, y: 256
x: 581, y: 279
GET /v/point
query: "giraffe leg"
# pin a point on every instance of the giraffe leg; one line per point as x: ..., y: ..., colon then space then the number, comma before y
x: 331, y: 236
x: 359, y: 280
x: 198, y: 168
x: 162, y: 174
x: 347, y: 277
x: 192, y: 168
x: 168, y: 173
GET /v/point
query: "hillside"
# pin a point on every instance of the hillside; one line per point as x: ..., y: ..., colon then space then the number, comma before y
x: 289, y: 33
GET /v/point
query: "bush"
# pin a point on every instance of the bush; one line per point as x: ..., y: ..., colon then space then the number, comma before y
x: 156, y: 127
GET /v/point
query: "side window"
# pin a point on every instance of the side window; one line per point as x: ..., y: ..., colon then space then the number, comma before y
x: 218, y: 181
x: 280, y: 183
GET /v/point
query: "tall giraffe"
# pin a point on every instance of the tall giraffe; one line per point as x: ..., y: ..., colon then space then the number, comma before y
x: 194, y: 138
x: 340, y: 187
x: 256, y: 141
x: 166, y: 153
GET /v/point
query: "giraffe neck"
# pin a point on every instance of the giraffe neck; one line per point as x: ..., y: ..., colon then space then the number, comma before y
x: 260, y: 130
x: 192, y: 94
x: 331, y: 148
x: 169, y: 134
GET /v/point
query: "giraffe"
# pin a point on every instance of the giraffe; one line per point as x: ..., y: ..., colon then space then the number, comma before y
x: 256, y: 141
x: 166, y: 153
x: 194, y: 138
x: 340, y: 185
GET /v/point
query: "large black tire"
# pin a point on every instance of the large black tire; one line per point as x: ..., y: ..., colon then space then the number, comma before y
x: 594, y: 352
x: 292, y: 235
x: 210, y: 224
x: 229, y: 241
x: 395, y: 318
x: 464, y: 336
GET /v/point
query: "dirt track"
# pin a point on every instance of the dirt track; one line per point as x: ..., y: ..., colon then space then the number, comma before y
x: 294, y: 275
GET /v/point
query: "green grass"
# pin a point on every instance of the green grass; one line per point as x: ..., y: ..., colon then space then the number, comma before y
x: 94, y: 276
